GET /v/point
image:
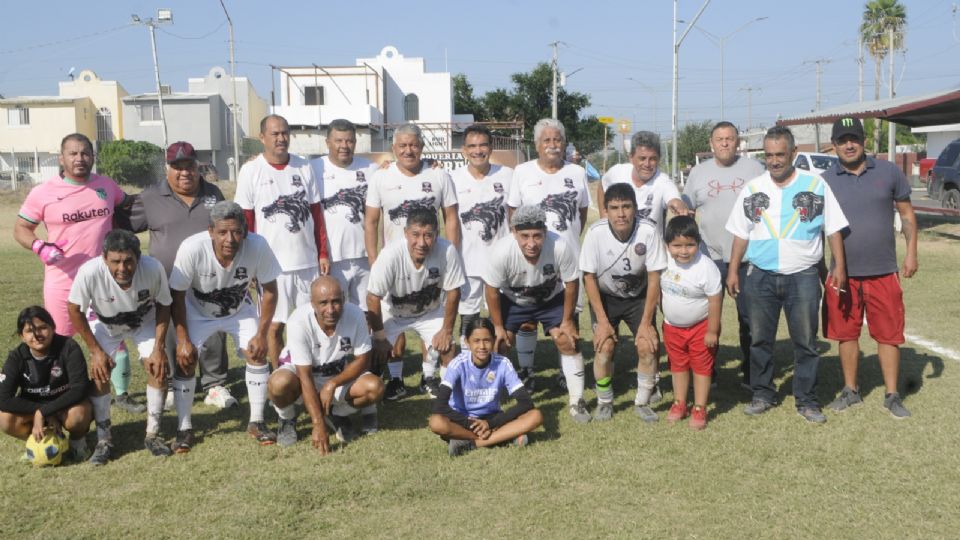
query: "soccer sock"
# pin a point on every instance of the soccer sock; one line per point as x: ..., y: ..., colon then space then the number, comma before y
x: 396, y: 370
x: 286, y: 413
x: 120, y: 376
x: 605, y: 390
x: 155, y: 397
x: 183, y: 390
x: 573, y: 371
x: 256, y: 377
x: 644, y: 388
x: 526, y: 342
x: 443, y: 372
x: 101, y: 415
x: 430, y: 364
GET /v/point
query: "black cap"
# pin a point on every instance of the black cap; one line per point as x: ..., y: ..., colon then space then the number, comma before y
x: 847, y: 125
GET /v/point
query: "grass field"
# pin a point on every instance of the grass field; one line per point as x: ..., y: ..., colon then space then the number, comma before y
x: 862, y: 475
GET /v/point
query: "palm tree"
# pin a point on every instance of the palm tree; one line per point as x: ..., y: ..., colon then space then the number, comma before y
x: 879, y: 17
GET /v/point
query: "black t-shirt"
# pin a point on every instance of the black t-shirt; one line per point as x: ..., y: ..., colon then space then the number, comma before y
x: 51, y: 384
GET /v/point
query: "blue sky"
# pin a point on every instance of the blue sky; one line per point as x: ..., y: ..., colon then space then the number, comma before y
x: 610, y: 42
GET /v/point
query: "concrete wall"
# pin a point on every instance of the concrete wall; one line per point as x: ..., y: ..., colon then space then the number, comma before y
x: 103, y: 94
x: 252, y: 107
x: 197, y: 119
x: 50, y: 120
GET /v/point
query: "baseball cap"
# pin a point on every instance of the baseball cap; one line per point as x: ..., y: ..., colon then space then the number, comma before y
x: 847, y: 126
x: 181, y: 150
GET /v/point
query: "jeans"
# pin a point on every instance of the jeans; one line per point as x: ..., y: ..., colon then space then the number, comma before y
x: 743, y: 319
x: 799, y: 297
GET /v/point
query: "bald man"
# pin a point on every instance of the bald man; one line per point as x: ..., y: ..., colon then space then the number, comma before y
x: 325, y: 366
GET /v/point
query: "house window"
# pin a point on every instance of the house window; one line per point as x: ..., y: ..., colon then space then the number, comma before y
x: 313, y: 95
x: 150, y: 112
x: 411, y: 108
x: 18, y: 116
x: 104, y: 125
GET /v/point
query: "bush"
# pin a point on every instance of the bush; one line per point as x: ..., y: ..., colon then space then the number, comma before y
x: 137, y: 163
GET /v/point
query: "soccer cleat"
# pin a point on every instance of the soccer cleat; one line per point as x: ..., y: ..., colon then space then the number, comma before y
x: 698, y: 418
x: 457, y: 447
x: 125, y: 402
x: 155, y: 446
x: 603, y: 412
x: 101, y: 452
x: 757, y: 407
x: 812, y: 414
x: 579, y: 412
x: 678, y: 411
x: 79, y: 452
x: 645, y: 413
x: 287, y: 433
x: 184, y: 441
x: 894, y: 405
x: 168, y: 401
x: 521, y: 441
x: 395, y: 389
x: 220, y: 397
x: 848, y: 398
x: 561, y: 380
x: 260, y: 432
x: 340, y: 426
x: 429, y: 386
x: 526, y: 377
x: 369, y: 424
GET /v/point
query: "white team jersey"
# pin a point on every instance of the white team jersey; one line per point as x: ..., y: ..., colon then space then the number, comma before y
x: 343, y: 195
x: 561, y: 195
x: 121, y: 310
x: 214, y: 292
x: 396, y: 194
x: 652, y: 196
x: 620, y: 267
x: 528, y: 284
x: 483, y: 213
x: 309, y: 345
x: 685, y: 289
x: 281, y: 201
x: 409, y: 291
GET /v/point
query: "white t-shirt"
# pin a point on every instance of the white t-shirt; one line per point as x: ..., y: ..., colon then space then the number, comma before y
x: 685, y: 289
x: 409, y: 291
x: 652, y: 196
x: 396, y: 194
x: 483, y: 213
x: 561, y: 195
x: 214, y: 292
x: 309, y: 345
x: 121, y: 310
x: 528, y: 284
x: 343, y: 194
x: 620, y: 267
x: 281, y: 201
x: 784, y: 224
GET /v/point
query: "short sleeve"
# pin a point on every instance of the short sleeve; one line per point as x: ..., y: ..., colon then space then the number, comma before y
x: 584, y: 191
x: 298, y: 342
x: 183, y: 266
x: 656, y: 254
x: 361, y: 336
x: 381, y: 272
x: 245, y: 196
x: 452, y: 375
x: 510, y: 378
x: 712, y: 279
x: 607, y: 179
x: 373, y: 189
x: 313, y: 189
x: 268, y: 268
x: 515, y: 198
x: 738, y: 224
x: 80, y: 289
x: 32, y: 207
x: 449, y: 191
x: 690, y: 190
x: 163, y: 288
x: 567, y: 260
x: 833, y: 218
x: 901, y: 187
x: 670, y: 191
x: 453, y: 278
x: 588, y: 252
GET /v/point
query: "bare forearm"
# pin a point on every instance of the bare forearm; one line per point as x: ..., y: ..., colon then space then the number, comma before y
x: 493, y: 304
x: 714, y: 313
x: 450, y: 308
x: 308, y: 390
x: 570, y: 291
x: 24, y: 233
x: 736, y: 254
x: 163, y: 326
x: 593, y: 295
x: 374, y: 312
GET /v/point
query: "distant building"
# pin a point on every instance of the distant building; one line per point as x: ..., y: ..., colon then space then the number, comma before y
x: 252, y: 108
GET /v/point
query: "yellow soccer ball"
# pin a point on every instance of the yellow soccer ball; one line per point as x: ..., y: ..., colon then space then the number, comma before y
x: 48, y: 451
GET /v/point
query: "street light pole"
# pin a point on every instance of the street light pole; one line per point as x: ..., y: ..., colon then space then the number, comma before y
x: 676, y: 77
x: 721, y: 42
x: 163, y: 15
x: 233, y: 107
x: 553, y: 64
x: 654, y: 96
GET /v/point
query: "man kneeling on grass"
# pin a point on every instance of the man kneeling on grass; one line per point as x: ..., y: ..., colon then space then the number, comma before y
x: 467, y: 409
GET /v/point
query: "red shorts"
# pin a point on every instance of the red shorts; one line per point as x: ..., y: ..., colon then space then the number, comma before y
x: 880, y: 298
x: 686, y: 349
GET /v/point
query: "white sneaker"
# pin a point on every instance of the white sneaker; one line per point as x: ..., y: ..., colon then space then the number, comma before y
x: 220, y: 397
x: 168, y: 402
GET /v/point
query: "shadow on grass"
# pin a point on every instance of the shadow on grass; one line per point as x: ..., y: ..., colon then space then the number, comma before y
x: 913, y: 364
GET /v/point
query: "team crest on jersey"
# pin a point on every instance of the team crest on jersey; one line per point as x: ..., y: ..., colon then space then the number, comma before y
x: 296, y: 181
x: 433, y: 272
x: 640, y: 249
x: 548, y: 270
x: 295, y: 207
x: 361, y: 177
x: 809, y: 205
x: 754, y: 205
x: 56, y: 371
x: 491, y: 376
x: 498, y: 187
x: 241, y: 273
x: 427, y: 187
x: 564, y: 205
x: 209, y: 201
x: 568, y: 183
x: 649, y: 199
x: 142, y: 295
x: 102, y: 193
x: 345, y: 345
x: 643, y: 214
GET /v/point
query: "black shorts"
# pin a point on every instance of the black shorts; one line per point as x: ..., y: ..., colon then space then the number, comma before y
x: 628, y: 310
x: 466, y: 423
x: 549, y: 314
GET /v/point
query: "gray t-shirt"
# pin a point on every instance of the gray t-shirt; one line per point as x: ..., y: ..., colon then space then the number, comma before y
x: 868, y: 202
x: 712, y: 190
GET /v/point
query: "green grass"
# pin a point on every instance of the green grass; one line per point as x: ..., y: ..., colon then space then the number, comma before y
x: 862, y: 474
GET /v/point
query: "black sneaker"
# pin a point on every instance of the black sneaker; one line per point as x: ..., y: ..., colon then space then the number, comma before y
x: 429, y: 386
x: 526, y: 377
x: 894, y: 405
x: 457, y: 447
x: 287, y: 433
x: 184, y: 441
x: 369, y: 424
x: 848, y: 398
x: 101, y: 453
x: 340, y: 426
x: 757, y: 407
x: 125, y: 402
x: 395, y: 390
x: 156, y: 447
x: 812, y: 414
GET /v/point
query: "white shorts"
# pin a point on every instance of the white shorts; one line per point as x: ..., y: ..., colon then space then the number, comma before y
x: 426, y: 326
x: 353, y: 275
x: 471, y: 296
x: 144, y: 336
x: 340, y: 405
x: 293, y: 289
x: 242, y: 326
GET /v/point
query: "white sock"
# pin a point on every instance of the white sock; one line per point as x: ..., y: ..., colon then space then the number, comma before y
x: 526, y: 343
x: 396, y: 369
x: 183, y: 390
x: 286, y: 413
x: 644, y: 388
x: 573, y: 371
x: 256, y: 377
x: 155, y: 398
x: 101, y: 415
x: 443, y: 372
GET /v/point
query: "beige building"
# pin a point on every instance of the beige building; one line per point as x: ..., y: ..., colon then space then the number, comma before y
x: 107, y: 98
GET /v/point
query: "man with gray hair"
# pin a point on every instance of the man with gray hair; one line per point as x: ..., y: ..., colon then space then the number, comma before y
x: 532, y: 278
x: 210, y: 282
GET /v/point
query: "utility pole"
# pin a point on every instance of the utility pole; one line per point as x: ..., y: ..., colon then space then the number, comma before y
x: 163, y: 16
x: 816, y: 127
x: 749, y: 90
x: 892, y: 135
x: 676, y: 79
x: 555, y: 45
x: 234, y: 108
x: 721, y: 42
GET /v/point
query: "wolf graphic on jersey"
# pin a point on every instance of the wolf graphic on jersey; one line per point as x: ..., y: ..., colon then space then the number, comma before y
x: 129, y: 319
x: 643, y: 214
x: 413, y: 304
x: 227, y: 299
x: 402, y: 211
x: 352, y: 199
x: 754, y: 205
x: 629, y: 284
x: 537, y: 293
x: 488, y: 214
x: 564, y: 205
x: 810, y: 205
x: 293, y: 206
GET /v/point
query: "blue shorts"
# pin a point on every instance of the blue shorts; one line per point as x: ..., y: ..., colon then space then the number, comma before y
x: 548, y: 314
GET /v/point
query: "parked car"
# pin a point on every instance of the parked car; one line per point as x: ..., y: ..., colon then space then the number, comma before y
x: 208, y: 172
x: 944, y: 184
x: 814, y: 162
x: 925, y: 165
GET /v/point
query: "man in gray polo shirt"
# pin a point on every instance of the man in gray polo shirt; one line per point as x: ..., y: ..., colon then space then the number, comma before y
x: 172, y: 211
x: 712, y: 189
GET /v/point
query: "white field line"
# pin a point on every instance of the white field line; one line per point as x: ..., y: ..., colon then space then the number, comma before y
x: 933, y: 346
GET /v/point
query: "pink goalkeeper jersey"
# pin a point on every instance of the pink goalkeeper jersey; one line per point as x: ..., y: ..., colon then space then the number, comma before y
x: 78, y: 214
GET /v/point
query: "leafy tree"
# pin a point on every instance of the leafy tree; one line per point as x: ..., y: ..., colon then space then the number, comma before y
x: 693, y: 138
x: 130, y: 162
x: 879, y: 17
x: 903, y: 135
x: 464, y: 101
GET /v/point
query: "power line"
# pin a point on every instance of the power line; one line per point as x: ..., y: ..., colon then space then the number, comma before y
x: 62, y: 41
x: 204, y: 36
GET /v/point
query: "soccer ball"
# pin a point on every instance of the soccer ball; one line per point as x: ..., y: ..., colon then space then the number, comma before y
x: 48, y: 451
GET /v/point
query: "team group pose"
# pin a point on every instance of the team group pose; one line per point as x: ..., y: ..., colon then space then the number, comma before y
x: 319, y: 268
